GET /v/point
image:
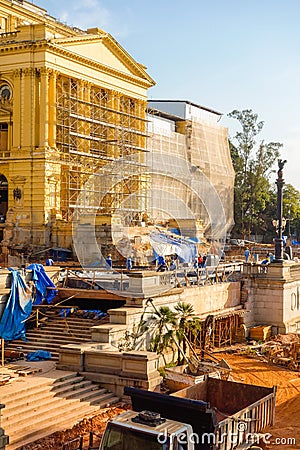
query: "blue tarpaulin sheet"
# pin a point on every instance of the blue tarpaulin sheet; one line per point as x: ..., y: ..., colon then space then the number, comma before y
x: 18, y: 309
x: 41, y: 282
x: 163, y: 244
x: 39, y: 355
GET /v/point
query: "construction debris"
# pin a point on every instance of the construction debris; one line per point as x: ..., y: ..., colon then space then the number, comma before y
x: 282, y: 349
x: 22, y: 370
x: 4, y: 379
x: 28, y: 371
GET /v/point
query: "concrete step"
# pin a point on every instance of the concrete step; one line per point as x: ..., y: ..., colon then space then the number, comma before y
x: 58, y: 334
x: 8, y: 396
x: 55, y: 419
x: 27, y: 397
x: 73, y: 320
x: 55, y: 342
x: 33, y: 347
x: 43, y: 412
x: 37, y: 384
x: 75, y: 389
x: 27, y: 413
x: 20, y: 439
x: 61, y: 384
x: 62, y: 329
x: 54, y: 334
x: 69, y: 324
x: 45, y: 405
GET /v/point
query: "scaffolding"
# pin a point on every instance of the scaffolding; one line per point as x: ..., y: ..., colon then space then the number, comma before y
x: 112, y: 163
x: 193, y: 170
x: 101, y: 138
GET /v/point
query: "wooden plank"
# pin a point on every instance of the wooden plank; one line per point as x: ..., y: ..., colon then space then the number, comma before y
x: 31, y: 371
x: 97, y: 294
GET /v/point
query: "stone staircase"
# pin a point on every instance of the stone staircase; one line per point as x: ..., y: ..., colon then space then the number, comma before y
x: 39, y: 405
x: 55, y: 332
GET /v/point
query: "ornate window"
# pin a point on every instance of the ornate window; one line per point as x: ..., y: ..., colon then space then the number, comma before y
x: 5, y: 92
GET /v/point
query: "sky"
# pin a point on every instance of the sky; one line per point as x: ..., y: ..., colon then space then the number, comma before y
x: 222, y: 54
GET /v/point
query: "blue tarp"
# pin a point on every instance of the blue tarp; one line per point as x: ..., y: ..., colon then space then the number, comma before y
x: 17, y: 310
x: 39, y: 355
x: 64, y: 312
x: 41, y: 282
x: 163, y: 244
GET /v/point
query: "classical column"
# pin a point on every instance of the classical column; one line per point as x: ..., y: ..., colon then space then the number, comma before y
x: 28, y: 119
x: 16, y: 140
x: 44, y: 107
x: 52, y: 108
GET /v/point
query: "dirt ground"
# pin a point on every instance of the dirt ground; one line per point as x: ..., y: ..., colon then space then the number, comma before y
x: 252, y: 370
x: 246, y: 369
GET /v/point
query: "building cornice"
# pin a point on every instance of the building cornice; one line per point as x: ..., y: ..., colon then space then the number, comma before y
x: 144, y: 80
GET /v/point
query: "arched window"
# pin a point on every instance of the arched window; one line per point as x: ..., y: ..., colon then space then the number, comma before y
x: 3, y: 198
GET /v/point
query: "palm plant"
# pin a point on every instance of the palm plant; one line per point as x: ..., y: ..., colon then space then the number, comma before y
x: 165, y: 320
x: 185, y: 312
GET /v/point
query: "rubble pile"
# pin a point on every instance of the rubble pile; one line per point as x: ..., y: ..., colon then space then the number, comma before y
x: 283, y: 350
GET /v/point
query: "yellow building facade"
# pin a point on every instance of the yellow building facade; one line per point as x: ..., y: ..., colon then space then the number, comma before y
x: 72, y: 102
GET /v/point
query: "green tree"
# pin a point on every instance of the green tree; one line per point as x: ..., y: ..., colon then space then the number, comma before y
x: 253, y: 163
x: 291, y: 209
x: 165, y: 322
x: 185, y: 312
x: 291, y: 212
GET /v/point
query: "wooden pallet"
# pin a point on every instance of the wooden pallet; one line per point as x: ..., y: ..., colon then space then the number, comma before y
x: 4, y: 379
x: 23, y: 371
x: 29, y: 371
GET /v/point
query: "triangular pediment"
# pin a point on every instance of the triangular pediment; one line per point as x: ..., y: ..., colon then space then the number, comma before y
x: 104, y: 49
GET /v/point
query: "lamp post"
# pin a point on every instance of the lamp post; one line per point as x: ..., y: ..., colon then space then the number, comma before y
x: 289, y: 224
x: 278, y: 240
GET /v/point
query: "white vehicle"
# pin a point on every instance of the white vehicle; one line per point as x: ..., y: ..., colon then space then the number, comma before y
x: 230, y: 416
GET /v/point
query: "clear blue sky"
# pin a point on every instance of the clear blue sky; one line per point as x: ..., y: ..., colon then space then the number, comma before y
x: 223, y: 54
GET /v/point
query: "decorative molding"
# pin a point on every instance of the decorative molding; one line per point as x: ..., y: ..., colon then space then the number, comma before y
x: 18, y: 179
x: 144, y: 81
x: 29, y: 71
x: 17, y: 73
x: 45, y: 71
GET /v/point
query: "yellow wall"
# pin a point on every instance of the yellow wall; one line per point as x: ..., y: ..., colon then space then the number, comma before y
x: 37, y: 53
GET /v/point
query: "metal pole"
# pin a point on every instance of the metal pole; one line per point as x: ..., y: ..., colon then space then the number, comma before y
x: 278, y: 240
x: 2, y: 352
x: 289, y: 224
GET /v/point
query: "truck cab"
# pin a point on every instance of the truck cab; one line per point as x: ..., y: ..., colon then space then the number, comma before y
x: 210, y: 415
x: 146, y: 430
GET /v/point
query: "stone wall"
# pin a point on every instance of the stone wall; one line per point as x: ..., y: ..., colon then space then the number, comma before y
x: 272, y: 296
x: 100, y: 359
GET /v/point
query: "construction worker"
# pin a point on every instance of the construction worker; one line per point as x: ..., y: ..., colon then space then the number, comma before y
x: 129, y: 263
x: 173, y: 263
x: 49, y: 262
x: 109, y: 262
x: 162, y: 266
x: 247, y: 254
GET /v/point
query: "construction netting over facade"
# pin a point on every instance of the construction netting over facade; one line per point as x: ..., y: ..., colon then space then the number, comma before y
x: 192, y: 177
